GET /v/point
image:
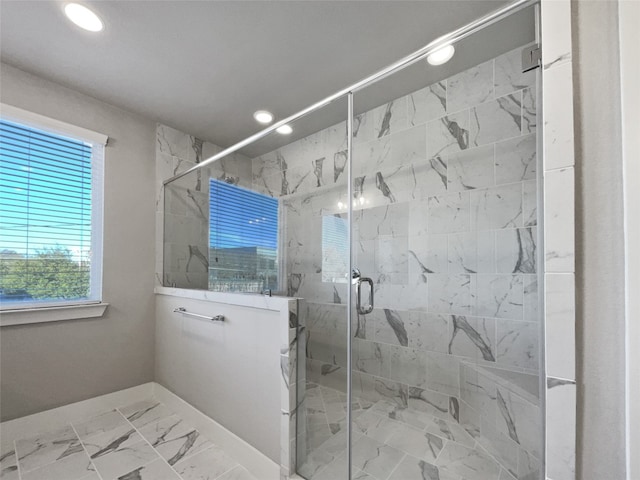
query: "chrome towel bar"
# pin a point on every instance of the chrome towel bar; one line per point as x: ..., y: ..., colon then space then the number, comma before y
x: 183, y: 311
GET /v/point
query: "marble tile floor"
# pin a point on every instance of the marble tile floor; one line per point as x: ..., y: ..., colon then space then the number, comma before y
x: 142, y: 441
x: 389, y: 444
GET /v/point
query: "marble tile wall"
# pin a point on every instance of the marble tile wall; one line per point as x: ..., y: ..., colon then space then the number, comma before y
x: 182, y: 208
x: 445, y: 223
x: 559, y: 239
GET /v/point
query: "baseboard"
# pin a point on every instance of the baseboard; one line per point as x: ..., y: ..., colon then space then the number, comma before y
x: 261, y: 466
x: 61, y: 416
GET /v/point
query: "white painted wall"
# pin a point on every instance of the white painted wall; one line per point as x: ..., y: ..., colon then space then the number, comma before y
x: 230, y: 371
x: 45, y: 366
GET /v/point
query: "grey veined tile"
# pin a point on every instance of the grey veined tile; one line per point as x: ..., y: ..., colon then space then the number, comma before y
x: 104, y: 443
x: 156, y: 470
x: 72, y: 467
x: 146, y: 411
x: 375, y: 458
x: 99, y: 424
x: 124, y: 459
x: 471, y: 87
x: 237, y: 473
x: 40, y: 450
x: 174, y: 439
x: 469, y: 463
x: 206, y: 465
x: 412, y: 468
x: 8, y: 465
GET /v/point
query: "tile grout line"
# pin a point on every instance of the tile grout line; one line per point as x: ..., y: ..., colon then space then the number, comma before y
x: 148, y: 443
x: 396, y: 467
x: 86, y: 451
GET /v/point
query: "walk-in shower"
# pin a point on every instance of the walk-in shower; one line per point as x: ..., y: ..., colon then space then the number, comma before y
x: 404, y: 210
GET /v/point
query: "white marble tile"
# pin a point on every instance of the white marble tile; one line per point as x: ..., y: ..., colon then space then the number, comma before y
x: 40, y: 450
x: 102, y: 443
x: 486, y: 251
x: 516, y: 250
x: 518, y: 344
x: 497, y: 207
x: 391, y: 262
x: 99, y: 424
x: 368, y: 357
x: 173, y: 438
x: 496, y: 120
x: 390, y: 117
x: 471, y: 169
x: 516, y: 159
x: 531, y: 299
x: 448, y: 134
x: 408, y: 366
x: 408, y: 146
x: 172, y: 142
x: 375, y: 458
x: 520, y: 421
x: 442, y: 373
x: 449, y: 213
x: 9, y: 464
x: 156, y: 470
x: 121, y: 460
x: 405, y: 297
x: 430, y: 177
x: 210, y: 463
x: 72, y: 467
x: 559, y: 221
x: 427, y: 255
x: 530, y: 203
x: 450, y: 431
x: 560, y: 325
x: 508, y: 73
x: 558, y: 131
x: 473, y: 337
x: 555, y: 20
x: 237, y: 473
x: 468, y: 463
x: 471, y: 87
x: 416, y: 442
x: 427, y: 331
x: 529, y: 111
x: 462, y: 253
x: 426, y: 104
x: 375, y: 423
x: 561, y: 429
x: 146, y: 411
x: 450, y: 294
x: 412, y: 468
x: 500, y: 296
x: 427, y: 402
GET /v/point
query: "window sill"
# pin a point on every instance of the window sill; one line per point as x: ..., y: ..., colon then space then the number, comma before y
x: 51, y: 314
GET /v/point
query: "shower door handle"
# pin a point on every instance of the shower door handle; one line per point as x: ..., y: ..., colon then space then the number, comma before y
x: 369, y: 308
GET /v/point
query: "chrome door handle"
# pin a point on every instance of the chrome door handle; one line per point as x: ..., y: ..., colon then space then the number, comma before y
x: 369, y: 308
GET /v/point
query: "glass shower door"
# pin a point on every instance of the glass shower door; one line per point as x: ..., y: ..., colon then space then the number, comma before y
x: 445, y: 347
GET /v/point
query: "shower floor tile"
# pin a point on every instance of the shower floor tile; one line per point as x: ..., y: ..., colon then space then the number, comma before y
x: 142, y: 441
x: 391, y: 444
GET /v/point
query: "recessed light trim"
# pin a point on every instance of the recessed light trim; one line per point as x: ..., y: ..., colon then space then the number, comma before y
x: 264, y: 117
x: 441, y: 55
x: 83, y: 17
x: 284, y: 130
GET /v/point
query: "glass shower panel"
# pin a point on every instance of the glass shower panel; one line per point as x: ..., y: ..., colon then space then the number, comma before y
x: 446, y: 365
x: 305, y: 173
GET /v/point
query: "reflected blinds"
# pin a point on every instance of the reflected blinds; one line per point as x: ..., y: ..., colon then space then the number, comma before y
x: 45, y: 215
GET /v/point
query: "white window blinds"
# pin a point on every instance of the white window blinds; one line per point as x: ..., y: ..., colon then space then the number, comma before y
x: 50, y: 251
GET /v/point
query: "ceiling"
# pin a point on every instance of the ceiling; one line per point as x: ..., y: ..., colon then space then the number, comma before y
x: 204, y: 67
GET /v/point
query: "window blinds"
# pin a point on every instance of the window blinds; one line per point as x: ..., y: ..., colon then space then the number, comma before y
x: 45, y: 215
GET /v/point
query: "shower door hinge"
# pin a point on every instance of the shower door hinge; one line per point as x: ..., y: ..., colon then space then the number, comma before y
x: 531, y: 57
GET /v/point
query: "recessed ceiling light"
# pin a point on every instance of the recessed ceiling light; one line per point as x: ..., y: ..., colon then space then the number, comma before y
x: 262, y: 116
x: 83, y: 17
x: 284, y: 130
x: 441, y: 55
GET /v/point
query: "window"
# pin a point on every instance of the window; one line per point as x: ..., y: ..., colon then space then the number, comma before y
x: 243, y: 239
x: 50, y: 212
